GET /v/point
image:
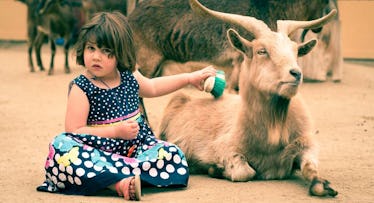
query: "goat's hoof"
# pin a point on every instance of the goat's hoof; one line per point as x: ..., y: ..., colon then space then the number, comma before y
x: 321, y: 187
x: 237, y: 169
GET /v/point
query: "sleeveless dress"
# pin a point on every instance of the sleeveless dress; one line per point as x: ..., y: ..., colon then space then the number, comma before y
x: 84, y: 164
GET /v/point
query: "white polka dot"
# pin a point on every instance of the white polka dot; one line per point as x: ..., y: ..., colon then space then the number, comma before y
x: 177, y: 159
x: 136, y: 171
x: 115, y: 158
x: 164, y: 175
x: 91, y: 174
x: 77, y: 162
x: 118, y: 164
x: 69, y: 169
x: 125, y: 170
x: 61, y: 167
x: 181, y: 171
x: 113, y: 170
x: 170, y: 168
x: 153, y: 172
x: 168, y: 156
x: 55, y: 171
x: 51, y: 163
x: 62, y: 177
x: 184, y: 162
x: 85, y: 155
x: 70, y: 179
x: 80, y: 172
x: 160, y: 164
x: 146, y: 166
x: 61, y: 185
x: 88, y: 164
x: 77, y: 181
x: 98, y: 168
x: 54, y: 179
x: 173, y: 149
x: 134, y: 165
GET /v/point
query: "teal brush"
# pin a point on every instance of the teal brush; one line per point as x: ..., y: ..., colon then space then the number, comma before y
x: 215, y: 84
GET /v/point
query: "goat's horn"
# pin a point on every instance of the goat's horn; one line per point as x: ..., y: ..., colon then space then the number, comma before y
x: 256, y: 27
x: 289, y: 26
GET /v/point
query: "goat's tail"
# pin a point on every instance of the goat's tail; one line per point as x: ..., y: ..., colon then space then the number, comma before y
x: 175, y: 104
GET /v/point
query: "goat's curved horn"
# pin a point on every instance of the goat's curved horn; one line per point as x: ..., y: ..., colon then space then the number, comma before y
x: 256, y: 27
x: 289, y: 26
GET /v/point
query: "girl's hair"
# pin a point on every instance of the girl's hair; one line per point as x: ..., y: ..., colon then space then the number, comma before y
x: 109, y: 30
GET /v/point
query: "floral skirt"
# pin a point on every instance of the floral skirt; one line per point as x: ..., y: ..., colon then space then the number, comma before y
x: 84, y: 164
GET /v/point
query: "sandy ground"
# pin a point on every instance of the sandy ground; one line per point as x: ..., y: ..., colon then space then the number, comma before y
x: 32, y: 108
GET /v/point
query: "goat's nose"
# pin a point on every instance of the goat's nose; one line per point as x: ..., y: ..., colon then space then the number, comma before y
x: 295, y: 73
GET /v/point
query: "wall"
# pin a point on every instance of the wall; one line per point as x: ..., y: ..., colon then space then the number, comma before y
x: 357, y: 25
x: 13, y: 23
x: 357, y: 28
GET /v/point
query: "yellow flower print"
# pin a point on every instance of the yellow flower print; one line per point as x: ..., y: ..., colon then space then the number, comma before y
x: 69, y: 157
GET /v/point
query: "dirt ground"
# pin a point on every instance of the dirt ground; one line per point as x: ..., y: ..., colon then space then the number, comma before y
x: 32, y: 110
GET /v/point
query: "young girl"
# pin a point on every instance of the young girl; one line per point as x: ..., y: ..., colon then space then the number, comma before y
x: 107, y: 143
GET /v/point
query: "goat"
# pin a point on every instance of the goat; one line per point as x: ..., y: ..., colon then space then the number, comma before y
x: 265, y: 132
x: 32, y: 23
x: 93, y: 6
x: 326, y: 58
x: 58, y: 19
x: 170, y: 37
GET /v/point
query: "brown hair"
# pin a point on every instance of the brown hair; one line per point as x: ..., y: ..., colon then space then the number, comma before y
x: 110, y: 30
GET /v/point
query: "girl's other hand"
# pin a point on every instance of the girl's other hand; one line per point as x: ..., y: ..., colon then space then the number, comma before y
x: 127, y: 130
x: 197, y: 78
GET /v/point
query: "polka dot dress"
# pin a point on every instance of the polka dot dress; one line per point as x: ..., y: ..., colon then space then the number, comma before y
x: 84, y: 164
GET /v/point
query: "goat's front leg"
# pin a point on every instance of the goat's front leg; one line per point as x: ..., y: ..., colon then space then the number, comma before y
x: 66, y: 49
x: 236, y: 168
x: 53, y: 53
x: 318, y: 186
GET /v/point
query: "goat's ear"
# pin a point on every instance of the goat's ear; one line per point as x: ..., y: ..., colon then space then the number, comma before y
x: 239, y: 42
x: 306, y: 47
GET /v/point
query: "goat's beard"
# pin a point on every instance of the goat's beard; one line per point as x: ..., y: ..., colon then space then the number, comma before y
x: 278, y: 108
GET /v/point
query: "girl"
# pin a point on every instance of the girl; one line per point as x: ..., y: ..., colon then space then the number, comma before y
x: 107, y: 143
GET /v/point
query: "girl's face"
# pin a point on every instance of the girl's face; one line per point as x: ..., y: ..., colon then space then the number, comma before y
x: 99, y: 61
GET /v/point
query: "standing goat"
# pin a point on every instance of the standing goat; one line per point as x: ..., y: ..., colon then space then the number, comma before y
x: 33, y: 19
x: 265, y: 132
x: 58, y: 19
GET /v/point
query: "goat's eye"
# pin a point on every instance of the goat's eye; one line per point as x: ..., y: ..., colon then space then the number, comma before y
x: 262, y: 52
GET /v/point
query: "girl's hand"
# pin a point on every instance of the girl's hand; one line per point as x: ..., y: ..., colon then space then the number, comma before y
x: 127, y: 130
x: 197, y: 78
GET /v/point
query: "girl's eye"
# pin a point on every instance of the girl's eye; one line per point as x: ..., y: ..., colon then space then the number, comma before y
x: 89, y: 47
x: 262, y: 52
x: 107, y: 51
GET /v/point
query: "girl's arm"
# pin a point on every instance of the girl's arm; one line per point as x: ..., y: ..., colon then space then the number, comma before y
x: 77, y: 114
x: 167, y: 84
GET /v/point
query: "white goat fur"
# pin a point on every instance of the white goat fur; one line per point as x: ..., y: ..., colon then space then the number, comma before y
x: 265, y: 132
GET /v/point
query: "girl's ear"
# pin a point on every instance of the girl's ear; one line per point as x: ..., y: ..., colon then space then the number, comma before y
x: 242, y: 45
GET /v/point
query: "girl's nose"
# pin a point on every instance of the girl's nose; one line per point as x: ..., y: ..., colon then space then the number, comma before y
x: 96, y: 55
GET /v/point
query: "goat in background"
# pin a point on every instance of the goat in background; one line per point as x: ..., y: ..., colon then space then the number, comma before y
x: 266, y: 131
x: 170, y: 38
x: 48, y: 20
x: 59, y: 19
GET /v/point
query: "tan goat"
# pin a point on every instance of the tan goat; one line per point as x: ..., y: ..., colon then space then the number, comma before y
x: 265, y: 132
